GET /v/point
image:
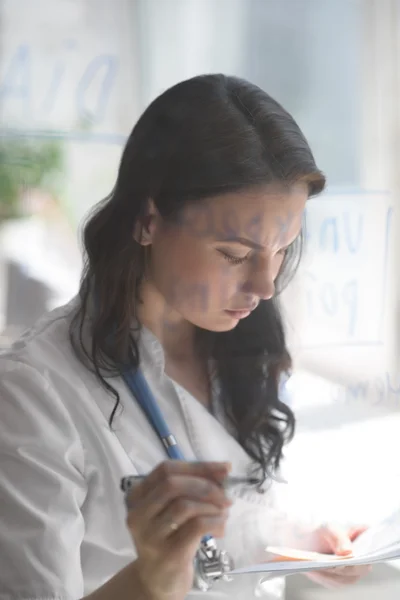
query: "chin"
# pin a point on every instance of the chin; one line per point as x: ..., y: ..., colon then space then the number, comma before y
x: 218, y: 325
x: 222, y: 327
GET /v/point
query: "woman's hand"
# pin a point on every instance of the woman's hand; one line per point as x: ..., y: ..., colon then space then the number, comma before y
x: 169, y: 513
x: 336, y: 541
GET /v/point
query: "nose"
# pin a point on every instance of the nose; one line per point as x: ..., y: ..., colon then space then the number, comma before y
x: 260, y: 281
x: 261, y: 285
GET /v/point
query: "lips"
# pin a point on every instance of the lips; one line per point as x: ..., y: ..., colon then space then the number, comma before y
x: 244, y: 309
x: 239, y: 314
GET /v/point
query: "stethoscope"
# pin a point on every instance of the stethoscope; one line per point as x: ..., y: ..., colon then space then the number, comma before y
x: 211, y: 564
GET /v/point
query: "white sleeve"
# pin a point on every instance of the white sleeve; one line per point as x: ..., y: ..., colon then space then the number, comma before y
x: 42, y: 488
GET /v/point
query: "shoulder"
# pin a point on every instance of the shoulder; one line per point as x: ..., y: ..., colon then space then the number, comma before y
x: 40, y: 377
x: 47, y: 336
x: 45, y: 351
x: 35, y: 407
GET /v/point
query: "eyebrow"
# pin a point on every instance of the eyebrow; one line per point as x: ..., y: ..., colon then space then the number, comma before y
x: 243, y: 242
x: 249, y: 243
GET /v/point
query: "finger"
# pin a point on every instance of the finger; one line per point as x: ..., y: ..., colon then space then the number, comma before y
x: 216, y: 471
x: 176, y: 515
x: 327, y: 580
x: 195, y: 488
x: 187, y: 488
x: 354, y: 532
x: 186, y: 539
x: 339, y: 576
x: 350, y: 571
x: 338, y: 540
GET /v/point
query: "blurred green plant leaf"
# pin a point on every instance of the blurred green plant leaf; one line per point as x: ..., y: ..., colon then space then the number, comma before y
x: 27, y: 164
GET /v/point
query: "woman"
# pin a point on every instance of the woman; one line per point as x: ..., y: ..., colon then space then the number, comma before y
x: 184, y: 262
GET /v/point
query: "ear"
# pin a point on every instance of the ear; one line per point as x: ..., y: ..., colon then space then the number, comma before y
x: 145, y: 226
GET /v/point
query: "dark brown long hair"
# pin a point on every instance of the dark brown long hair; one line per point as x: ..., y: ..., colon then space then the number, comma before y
x: 208, y: 135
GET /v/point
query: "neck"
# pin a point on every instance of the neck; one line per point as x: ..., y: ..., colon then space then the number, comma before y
x: 175, y: 334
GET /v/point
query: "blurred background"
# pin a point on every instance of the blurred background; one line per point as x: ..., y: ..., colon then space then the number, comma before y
x: 75, y: 76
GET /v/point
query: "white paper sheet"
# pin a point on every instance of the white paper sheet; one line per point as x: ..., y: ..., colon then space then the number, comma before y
x: 380, y: 543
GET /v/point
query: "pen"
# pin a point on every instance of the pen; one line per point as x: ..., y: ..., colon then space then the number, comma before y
x: 127, y: 483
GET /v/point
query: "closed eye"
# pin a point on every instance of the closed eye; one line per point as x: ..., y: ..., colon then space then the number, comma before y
x: 235, y: 260
x: 239, y: 260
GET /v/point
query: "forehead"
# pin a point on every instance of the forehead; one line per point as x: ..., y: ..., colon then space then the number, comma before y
x: 260, y: 215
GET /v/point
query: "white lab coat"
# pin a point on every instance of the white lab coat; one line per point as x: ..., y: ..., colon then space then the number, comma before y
x: 62, y: 518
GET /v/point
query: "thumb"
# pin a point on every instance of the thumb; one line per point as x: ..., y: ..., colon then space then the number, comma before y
x: 338, y: 540
x: 354, y: 532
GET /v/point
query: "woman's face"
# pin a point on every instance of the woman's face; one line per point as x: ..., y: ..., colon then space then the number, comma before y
x: 213, y: 266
